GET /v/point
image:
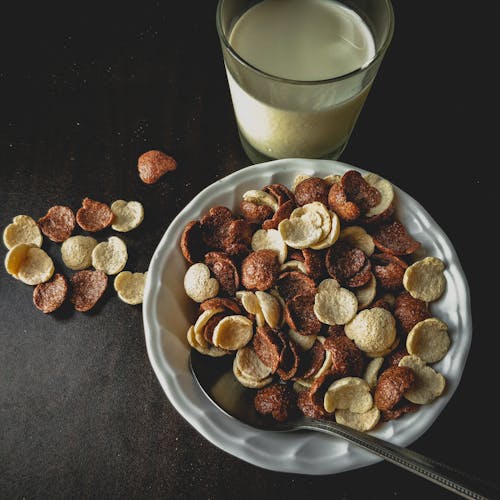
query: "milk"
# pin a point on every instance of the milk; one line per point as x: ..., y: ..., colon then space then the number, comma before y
x: 304, y: 41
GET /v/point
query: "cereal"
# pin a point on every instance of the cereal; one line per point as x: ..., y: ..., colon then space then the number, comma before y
x: 259, y: 270
x: 362, y: 277
x: 348, y: 393
x: 270, y: 308
x: 347, y: 359
x: 366, y: 293
x: 270, y: 239
x: 383, y: 352
x: 212, y: 351
x: 389, y: 270
x: 301, y: 232
x: 23, y: 229
x: 360, y: 421
x: 249, y: 301
x: 312, y: 189
x: 276, y: 400
x: 357, y: 237
x: 425, y: 279
x: 332, y: 179
x: 332, y: 236
x: 130, y: 287
x: 311, y: 361
x: 254, y: 213
x: 94, y: 216
x: 334, y: 305
x: 284, y: 211
x: 289, y: 358
x: 322, y: 215
x: 50, y: 295
x: 126, y: 215
x: 429, y: 384
x: 58, y: 223
x: 249, y: 369
x: 371, y: 371
x: 198, y: 284
x: 429, y: 340
x: 337, y: 201
x: 299, y: 314
x: 207, y: 332
x: 268, y: 347
x: 76, y: 252
x: 372, y: 329
x: 402, y: 408
x: 280, y: 192
x: 391, y: 386
x: 314, y: 263
x: 293, y: 265
x: 36, y: 267
x: 384, y: 187
x: 15, y: 257
x: 225, y: 271
x: 305, y: 342
x: 233, y: 332
x: 87, y: 287
x: 152, y: 165
x: 409, y: 311
x: 221, y: 303
x: 310, y: 402
x: 298, y: 179
x: 344, y: 261
x: 393, y: 238
x: 394, y: 357
x: 110, y: 256
x: 214, y: 226
x: 261, y: 198
x: 192, y: 245
x: 238, y: 235
x: 359, y: 191
x: 292, y: 283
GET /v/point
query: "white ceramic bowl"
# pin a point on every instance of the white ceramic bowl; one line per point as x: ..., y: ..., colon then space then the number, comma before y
x: 168, y: 312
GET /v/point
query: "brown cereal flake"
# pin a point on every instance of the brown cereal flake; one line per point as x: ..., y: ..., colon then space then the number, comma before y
x: 391, y: 386
x: 289, y: 358
x: 292, y: 283
x: 311, y: 361
x: 310, y: 402
x: 299, y: 314
x: 50, y: 295
x: 393, y: 358
x: 362, y: 277
x: 357, y: 190
x: 268, y: 346
x: 87, y: 287
x: 393, y: 238
x: 347, y: 359
x: 193, y: 247
x: 338, y: 203
x: 154, y: 164
x: 402, y: 408
x: 58, y: 223
x: 312, y: 189
x: 218, y: 303
x: 343, y: 261
x: 389, y: 270
x: 380, y: 218
x: 224, y: 270
x: 336, y: 331
x: 277, y: 400
x: 238, y: 238
x: 254, y: 213
x: 314, y: 260
x: 409, y: 311
x: 214, y: 225
x: 280, y: 192
x: 284, y: 211
x: 208, y: 329
x: 94, y: 216
x: 260, y: 269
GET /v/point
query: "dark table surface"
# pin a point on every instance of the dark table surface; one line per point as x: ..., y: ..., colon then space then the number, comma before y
x: 84, y: 91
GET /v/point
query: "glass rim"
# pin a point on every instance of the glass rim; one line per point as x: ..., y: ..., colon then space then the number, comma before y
x: 378, y: 54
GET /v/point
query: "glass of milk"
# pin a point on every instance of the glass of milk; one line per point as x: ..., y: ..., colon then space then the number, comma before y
x: 299, y: 71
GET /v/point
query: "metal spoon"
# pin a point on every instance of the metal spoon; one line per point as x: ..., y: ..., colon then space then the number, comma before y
x: 216, y: 379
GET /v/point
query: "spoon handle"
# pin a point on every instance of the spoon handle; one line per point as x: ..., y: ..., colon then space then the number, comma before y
x: 430, y: 469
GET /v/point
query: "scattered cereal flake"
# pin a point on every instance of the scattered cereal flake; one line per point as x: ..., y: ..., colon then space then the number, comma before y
x: 203, y: 319
x: 371, y: 371
x: 260, y: 269
x: 94, y: 215
x: 357, y: 237
x: 334, y: 305
x: 58, y: 223
x: 87, y: 287
x: 23, y: 229
x: 312, y: 189
x: 425, y: 279
x: 270, y: 308
x: 429, y: 384
x: 261, y: 198
x: 348, y: 393
x: 50, y: 295
x: 300, y: 232
x: 37, y: 267
x: 152, y: 165
x: 360, y: 421
x: 332, y: 179
x: 305, y: 342
x: 110, y: 256
x: 386, y: 192
x: 214, y: 352
x: 15, y: 257
x: 249, y: 301
x: 323, y: 214
x: 198, y: 284
x: 130, y: 287
x: 429, y: 340
x: 127, y: 215
x: 233, y: 332
x: 249, y: 370
x: 391, y: 387
x: 298, y: 180
x: 383, y: 352
x: 332, y: 236
x: 76, y: 252
x: 192, y: 245
x: 372, y: 330
x: 366, y: 294
x: 293, y: 265
x: 270, y: 239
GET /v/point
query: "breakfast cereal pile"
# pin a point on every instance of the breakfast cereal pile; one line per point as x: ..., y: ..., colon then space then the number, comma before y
x: 319, y: 296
